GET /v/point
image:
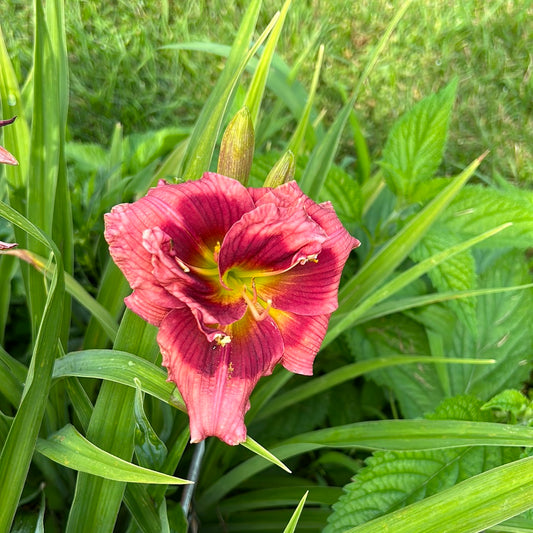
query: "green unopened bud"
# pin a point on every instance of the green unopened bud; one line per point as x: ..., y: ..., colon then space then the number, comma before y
x: 237, y: 147
x: 282, y: 171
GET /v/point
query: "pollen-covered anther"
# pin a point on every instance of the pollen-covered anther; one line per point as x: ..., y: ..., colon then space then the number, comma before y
x: 182, y: 265
x: 222, y: 339
x: 312, y: 258
x: 216, y: 251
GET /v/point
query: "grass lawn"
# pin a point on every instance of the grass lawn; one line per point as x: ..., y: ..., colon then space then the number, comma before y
x: 119, y: 73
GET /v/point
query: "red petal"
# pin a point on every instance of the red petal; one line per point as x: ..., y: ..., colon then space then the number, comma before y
x: 195, y: 215
x: 6, y: 157
x: 206, y: 209
x: 219, y: 305
x: 302, y: 337
x: 214, y: 380
x: 310, y: 289
x: 270, y: 239
x: 7, y: 245
x: 152, y: 304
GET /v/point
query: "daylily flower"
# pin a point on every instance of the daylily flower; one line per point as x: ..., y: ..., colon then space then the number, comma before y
x: 236, y: 279
x: 5, y: 156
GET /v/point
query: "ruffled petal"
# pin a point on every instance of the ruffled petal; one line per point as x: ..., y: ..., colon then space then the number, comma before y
x: 206, y: 208
x: 216, y: 380
x: 286, y: 195
x: 201, y: 291
x: 302, y: 337
x: 270, y: 239
x: 6, y: 157
x: 196, y: 215
x: 152, y: 304
x: 7, y: 245
x: 311, y: 288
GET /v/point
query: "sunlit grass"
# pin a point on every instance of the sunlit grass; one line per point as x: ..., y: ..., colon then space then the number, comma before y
x: 118, y: 72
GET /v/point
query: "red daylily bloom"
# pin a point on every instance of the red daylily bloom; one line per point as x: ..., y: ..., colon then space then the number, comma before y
x: 5, y: 156
x: 236, y: 279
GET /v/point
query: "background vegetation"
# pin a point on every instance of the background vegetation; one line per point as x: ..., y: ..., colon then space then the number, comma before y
x: 120, y: 73
x: 419, y: 398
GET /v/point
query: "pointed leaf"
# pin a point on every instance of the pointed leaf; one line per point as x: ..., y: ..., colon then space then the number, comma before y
x: 415, y: 145
x: 71, y: 449
x: 291, y: 526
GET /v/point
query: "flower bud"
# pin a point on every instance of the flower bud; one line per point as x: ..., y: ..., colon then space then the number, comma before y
x: 237, y: 147
x: 282, y: 171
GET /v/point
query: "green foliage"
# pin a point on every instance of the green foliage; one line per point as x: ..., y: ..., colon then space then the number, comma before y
x: 392, y: 480
x: 415, y: 145
x: 433, y: 311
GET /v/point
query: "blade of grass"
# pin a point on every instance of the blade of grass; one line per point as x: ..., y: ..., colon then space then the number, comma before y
x: 75, y: 289
x: 17, y: 136
x: 319, y: 163
x: 45, y: 150
x: 111, y: 293
x: 259, y: 450
x: 403, y: 304
x: 97, y: 500
x: 254, y: 96
x: 379, y: 435
x: 205, y: 132
x: 295, y: 144
x: 62, y: 229
x: 347, y: 372
x: 293, y: 522
x: 317, y: 168
x: 20, y: 443
x: 120, y: 367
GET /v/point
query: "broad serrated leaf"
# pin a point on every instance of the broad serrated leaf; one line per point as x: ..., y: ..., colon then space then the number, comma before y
x: 458, y: 273
x: 503, y: 334
x: 416, y: 386
x: 513, y: 402
x: 392, y: 480
x: 477, y: 208
x: 504, y: 331
x: 415, y: 145
x: 344, y: 193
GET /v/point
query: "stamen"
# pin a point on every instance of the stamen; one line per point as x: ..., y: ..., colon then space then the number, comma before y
x: 216, y: 252
x: 182, y: 265
x: 313, y: 258
x: 258, y: 315
x: 222, y: 339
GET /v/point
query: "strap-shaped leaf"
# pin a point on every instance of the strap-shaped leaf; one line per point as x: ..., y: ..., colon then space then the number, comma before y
x: 69, y: 448
x: 293, y: 522
x: 381, y: 435
x: 381, y: 265
x: 480, y: 506
x: 400, y: 281
x: 120, y: 367
x: 205, y: 133
x: 19, y: 446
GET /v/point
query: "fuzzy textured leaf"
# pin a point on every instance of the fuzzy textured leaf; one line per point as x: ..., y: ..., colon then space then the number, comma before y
x: 477, y: 208
x: 415, y: 145
x: 458, y: 273
x: 392, y: 480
